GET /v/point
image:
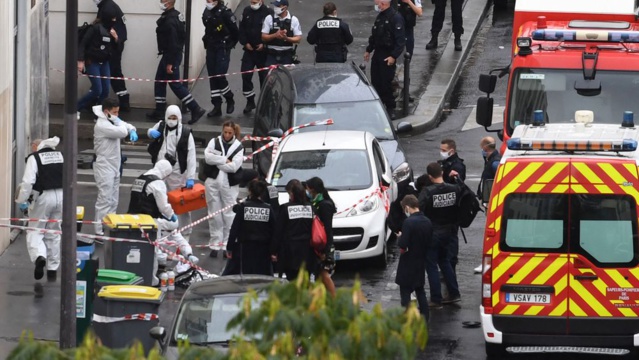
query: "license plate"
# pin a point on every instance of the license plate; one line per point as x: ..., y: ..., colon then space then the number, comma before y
x: 337, y: 255
x: 528, y: 298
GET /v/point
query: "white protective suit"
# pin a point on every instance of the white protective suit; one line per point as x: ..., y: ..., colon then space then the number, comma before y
x: 47, y: 205
x: 177, y: 180
x: 106, y: 169
x: 163, y: 169
x: 218, y: 192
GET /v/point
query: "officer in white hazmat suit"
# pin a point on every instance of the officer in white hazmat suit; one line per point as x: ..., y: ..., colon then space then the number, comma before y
x: 109, y: 130
x: 148, y: 196
x: 225, y: 153
x: 175, y: 140
x: 42, y: 182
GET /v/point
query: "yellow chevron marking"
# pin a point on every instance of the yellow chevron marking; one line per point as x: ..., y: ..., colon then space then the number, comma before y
x: 627, y: 312
x: 552, y: 172
x: 560, y: 310
x: 535, y: 188
x: 495, y: 299
x: 576, y: 310
x: 631, y: 167
x: 507, y: 168
x: 587, y: 172
x: 498, y: 224
x: 560, y: 189
x: 551, y: 270
x: 579, y: 189
x: 516, y: 182
x: 509, y: 309
x: 501, y: 269
x: 620, y: 280
x: 604, y: 189
x: 525, y: 270
x: 534, y: 310
x: 578, y: 290
x: 495, y: 250
x: 618, y: 179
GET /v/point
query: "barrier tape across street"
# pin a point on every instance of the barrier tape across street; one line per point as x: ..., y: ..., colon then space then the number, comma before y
x: 112, y: 319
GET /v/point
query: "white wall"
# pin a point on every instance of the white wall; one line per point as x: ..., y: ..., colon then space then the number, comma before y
x: 140, y: 58
x: 7, y: 24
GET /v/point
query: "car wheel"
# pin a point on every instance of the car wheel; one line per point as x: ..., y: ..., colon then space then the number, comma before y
x: 495, y: 351
x: 381, y: 260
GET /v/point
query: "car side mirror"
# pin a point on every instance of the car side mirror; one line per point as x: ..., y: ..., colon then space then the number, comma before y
x: 404, y: 127
x: 275, y: 133
x: 487, y: 83
x: 487, y: 187
x: 158, y: 333
x: 484, y: 112
x: 386, y: 180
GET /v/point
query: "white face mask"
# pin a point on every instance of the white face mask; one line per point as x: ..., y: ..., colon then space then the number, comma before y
x: 376, y: 8
x: 163, y: 6
x: 171, y: 123
x: 444, y: 155
x: 256, y: 6
x: 278, y: 10
x: 97, y: 2
x: 210, y: 6
x: 406, y: 213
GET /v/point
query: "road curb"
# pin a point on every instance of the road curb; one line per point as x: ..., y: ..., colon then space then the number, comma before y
x: 431, y: 102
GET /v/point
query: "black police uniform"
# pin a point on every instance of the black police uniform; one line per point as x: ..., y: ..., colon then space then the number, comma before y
x: 95, y: 50
x: 283, y: 54
x: 250, y: 239
x: 171, y: 34
x: 141, y: 202
x: 50, y: 172
x: 292, y: 241
x: 410, y: 20
x: 251, y: 33
x: 220, y: 36
x: 440, y: 13
x: 488, y: 173
x: 112, y: 17
x: 387, y: 39
x: 330, y: 35
x: 453, y: 162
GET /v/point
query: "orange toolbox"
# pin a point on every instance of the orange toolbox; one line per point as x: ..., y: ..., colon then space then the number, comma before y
x: 186, y: 200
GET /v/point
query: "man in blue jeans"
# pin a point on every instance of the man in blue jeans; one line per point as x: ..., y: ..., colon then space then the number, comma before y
x: 94, y: 52
x: 438, y: 202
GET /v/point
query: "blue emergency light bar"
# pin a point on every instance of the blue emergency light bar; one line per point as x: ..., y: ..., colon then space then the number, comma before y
x: 586, y: 35
x: 571, y: 145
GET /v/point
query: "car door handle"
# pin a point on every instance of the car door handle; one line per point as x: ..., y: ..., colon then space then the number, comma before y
x: 586, y: 277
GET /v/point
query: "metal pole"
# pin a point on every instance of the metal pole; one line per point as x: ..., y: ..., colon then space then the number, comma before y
x: 68, y: 243
x: 187, y: 44
x: 406, y: 89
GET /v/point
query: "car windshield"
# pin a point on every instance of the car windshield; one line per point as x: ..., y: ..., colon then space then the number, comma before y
x: 361, y: 115
x: 203, y: 321
x: 560, y: 92
x: 340, y: 169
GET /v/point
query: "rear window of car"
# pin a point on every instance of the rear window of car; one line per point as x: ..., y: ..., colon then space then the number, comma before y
x: 603, y: 228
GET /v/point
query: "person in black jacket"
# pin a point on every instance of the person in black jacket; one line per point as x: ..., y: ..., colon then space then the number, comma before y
x: 324, y: 207
x: 251, y: 235
x: 94, y: 52
x: 387, y: 40
x: 292, y: 242
x: 220, y: 36
x: 171, y: 34
x: 330, y: 35
x: 410, y: 10
x: 452, y: 165
x: 415, y: 238
x: 113, y: 19
x: 254, y: 49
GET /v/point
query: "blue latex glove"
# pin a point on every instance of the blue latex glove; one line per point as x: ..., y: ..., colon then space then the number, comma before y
x: 155, y: 134
x: 173, y: 218
x: 23, y: 206
x: 190, y: 183
x: 133, y: 136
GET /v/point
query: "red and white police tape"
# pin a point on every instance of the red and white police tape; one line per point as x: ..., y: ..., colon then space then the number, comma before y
x: 112, y: 319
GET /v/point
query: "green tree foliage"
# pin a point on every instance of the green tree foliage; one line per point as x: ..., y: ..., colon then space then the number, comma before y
x: 296, y: 320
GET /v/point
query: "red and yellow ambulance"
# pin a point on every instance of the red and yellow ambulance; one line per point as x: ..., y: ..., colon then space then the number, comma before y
x: 561, y: 246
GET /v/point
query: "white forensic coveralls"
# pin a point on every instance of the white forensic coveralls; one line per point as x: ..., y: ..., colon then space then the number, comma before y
x: 177, y: 180
x: 219, y: 194
x: 45, y: 205
x: 162, y: 170
x: 106, y: 169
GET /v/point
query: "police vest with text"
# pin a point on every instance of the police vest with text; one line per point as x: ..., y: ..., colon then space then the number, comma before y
x: 141, y: 202
x: 441, y: 204
x: 330, y: 35
x: 257, y: 216
x: 50, y: 163
x: 281, y: 24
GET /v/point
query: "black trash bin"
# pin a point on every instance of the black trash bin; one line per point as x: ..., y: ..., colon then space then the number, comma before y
x: 87, y: 269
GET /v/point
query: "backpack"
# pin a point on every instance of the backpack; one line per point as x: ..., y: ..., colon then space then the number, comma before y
x: 82, y: 30
x: 468, y: 205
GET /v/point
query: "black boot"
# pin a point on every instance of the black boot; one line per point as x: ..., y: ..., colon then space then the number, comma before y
x: 124, y: 103
x: 458, y: 45
x: 230, y: 105
x: 217, y: 111
x: 196, y: 114
x: 158, y: 113
x: 40, y: 263
x: 250, y: 105
x: 432, y: 44
x: 52, y: 275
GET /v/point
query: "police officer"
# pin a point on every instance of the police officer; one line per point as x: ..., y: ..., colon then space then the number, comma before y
x: 452, y: 165
x: 251, y: 235
x: 42, y: 182
x: 330, y: 35
x: 387, y: 41
x: 220, y: 36
x: 438, y: 22
x: 171, y: 34
x: 438, y: 202
x: 94, y: 52
x: 112, y: 17
x: 280, y: 32
x: 148, y: 196
x: 254, y: 49
x: 410, y: 10
x: 492, y: 157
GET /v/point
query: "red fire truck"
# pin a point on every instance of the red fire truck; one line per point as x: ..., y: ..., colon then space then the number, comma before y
x: 567, y: 56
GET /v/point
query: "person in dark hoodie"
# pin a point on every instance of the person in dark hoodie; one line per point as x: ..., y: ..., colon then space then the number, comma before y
x: 94, y: 52
x: 291, y: 245
x: 324, y: 207
x: 452, y: 165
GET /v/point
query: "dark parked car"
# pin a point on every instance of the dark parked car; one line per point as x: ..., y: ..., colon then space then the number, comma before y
x: 205, y: 310
x: 342, y: 92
